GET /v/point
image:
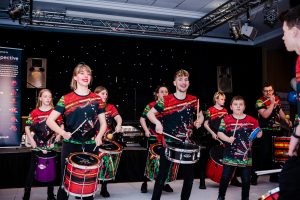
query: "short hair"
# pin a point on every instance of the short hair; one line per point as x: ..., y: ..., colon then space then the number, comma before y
x: 237, y: 98
x: 217, y: 94
x: 39, y: 103
x: 267, y: 84
x: 292, y: 17
x: 80, y: 66
x: 181, y: 73
x: 100, y: 89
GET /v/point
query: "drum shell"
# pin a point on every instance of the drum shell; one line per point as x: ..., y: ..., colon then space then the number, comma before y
x: 46, y: 169
x: 182, y: 153
x: 214, y: 168
x: 152, y: 164
x: 281, y: 148
x: 110, y: 159
x: 81, y: 180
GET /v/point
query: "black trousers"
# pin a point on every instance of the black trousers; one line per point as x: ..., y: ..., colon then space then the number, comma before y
x: 289, y: 180
x: 227, y: 173
x: 188, y: 176
x: 67, y: 149
x: 31, y: 172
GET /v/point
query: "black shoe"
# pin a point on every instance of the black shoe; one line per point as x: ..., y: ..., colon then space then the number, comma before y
x: 167, y: 188
x: 26, y: 194
x: 221, y: 198
x: 202, y: 185
x: 253, y: 180
x: 77, y: 197
x: 104, y: 193
x: 51, y: 197
x: 144, y: 188
x: 235, y: 182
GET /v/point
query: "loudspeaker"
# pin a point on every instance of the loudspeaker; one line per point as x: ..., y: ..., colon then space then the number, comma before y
x: 224, y: 78
x: 36, y: 72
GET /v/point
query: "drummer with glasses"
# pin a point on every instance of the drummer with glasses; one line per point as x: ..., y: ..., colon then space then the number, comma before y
x: 178, y: 111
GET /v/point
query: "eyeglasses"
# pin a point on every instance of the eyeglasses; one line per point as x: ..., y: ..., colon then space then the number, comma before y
x: 266, y: 91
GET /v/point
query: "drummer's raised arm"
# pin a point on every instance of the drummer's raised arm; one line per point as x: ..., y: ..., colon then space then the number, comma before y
x: 151, y: 116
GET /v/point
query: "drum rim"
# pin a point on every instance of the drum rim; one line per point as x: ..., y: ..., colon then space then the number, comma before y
x: 183, y: 161
x: 120, y: 148
x: 184, y: 150
x: 270, y: 192
x: 95, y: 166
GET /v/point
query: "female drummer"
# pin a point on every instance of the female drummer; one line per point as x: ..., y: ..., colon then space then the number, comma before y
x: 235, y: 130
x: 81, y: 108
x: 159, y: 93
x: 111, y: 115
x: 40, y: 138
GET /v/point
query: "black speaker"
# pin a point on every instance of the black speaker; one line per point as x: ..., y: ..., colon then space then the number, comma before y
x: 36, y: 72
x: 224, y: 78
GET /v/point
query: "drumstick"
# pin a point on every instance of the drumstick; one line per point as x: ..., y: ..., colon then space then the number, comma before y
x: 172, y: 136
x: 95, y: 147
x: 264, y: 172
x: 198, y: 109
x: 237, y: 121
x: 79, y: 127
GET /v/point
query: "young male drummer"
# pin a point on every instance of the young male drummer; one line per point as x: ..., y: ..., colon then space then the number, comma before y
x: 178, y: 111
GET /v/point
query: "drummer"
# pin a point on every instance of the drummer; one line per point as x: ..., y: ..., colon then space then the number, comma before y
x: 159, y: 93
x: 111, y: 115
x: 178, y: 111
x: 235, y: 130
x: 81, y: 108
x: 42, y: 141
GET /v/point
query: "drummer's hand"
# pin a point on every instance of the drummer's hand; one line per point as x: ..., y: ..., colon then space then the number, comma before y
x: 288, y: 122
x: 66, y: 135
x: 118, y: 129
x: 98, y: 140
x: 259, y: 135
x: 57, y: 138
x: 214, y: 136
x: 158, y: 127
x: 147, y: 133
x: 33, y: 144
x: 197, y: 123
x: 231, y: 139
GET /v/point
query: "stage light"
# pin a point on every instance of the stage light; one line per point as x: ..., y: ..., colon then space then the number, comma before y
x: 235, y: 29
x: 249, y: 31
x: 270, y: 12
x: 17, y: 9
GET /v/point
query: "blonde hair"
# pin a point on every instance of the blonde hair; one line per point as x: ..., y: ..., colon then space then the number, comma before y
x: 39, y: 102
x: 99, y: 89
x: 80, y: 66
x: 217, y: 94
x: 181, y: 73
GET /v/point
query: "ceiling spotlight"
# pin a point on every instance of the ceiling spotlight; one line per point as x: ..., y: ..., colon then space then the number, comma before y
x: 249, y: 31
x: 17, y: 9
x: 270, y: 12
x: 235, y: 29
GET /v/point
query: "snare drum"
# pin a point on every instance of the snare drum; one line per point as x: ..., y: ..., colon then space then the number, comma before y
x: 152, y: 164
x: 214, y: 166
x: 46, y: 168
x: 81, y: 174
x: 271, y: 195
x: 184, y: 153
x: 281, y: 148
x: 109, y: 154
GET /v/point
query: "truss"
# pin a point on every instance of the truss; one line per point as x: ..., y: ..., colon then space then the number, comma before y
x: 225, y: 12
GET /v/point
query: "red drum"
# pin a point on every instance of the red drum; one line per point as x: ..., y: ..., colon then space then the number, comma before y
x: 152, y: 165
x: 281, y: 148
x: 109, y: 154
x: 183, y: 153
x: 214, y: 166
x: 81, y: 174
x: 271, y: 195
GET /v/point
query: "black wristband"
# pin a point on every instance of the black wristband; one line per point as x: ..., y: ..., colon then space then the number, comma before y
x: 296, y: 136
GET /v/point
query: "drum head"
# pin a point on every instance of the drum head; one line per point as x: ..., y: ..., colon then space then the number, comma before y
x: 110, y: 146
x: 155, y: 149
x: 84, y: 159
x: 180, y: 145
x: 216, y: 154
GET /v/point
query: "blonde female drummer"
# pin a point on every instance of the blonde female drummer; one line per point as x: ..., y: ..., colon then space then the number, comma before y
x: 81, y: 108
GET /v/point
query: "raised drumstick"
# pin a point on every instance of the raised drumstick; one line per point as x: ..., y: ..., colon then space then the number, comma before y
x: 172, y: 136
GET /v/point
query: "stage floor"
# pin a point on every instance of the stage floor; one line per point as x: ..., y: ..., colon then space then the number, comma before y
x: 131, y: 191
